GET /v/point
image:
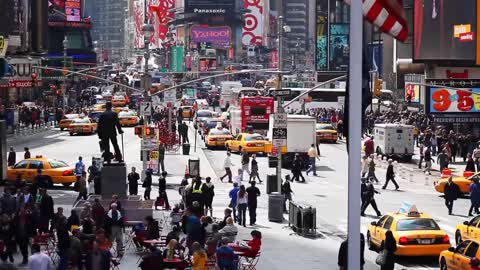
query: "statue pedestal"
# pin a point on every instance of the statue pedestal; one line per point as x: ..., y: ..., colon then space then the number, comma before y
x: 114, y: 180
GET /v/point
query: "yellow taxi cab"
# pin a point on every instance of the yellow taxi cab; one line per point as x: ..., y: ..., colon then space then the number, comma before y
x: 67, y: 120
x: 82, y: 126
x: 459, y: 257
x: 119, y: 109
x: 128, y: 118
x: 217, y: 137
x: 251, y: 143
x: 326, y: 132
x: 55, y: 171
x: 98, y: 107
x: 468, y: 230
x: 187, y: 111
x: 462, y: 182
x: 119, y: 101
x: 416, y: 234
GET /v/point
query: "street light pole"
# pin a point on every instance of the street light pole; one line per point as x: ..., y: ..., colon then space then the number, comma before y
x: 64, y: 90
x: 279, y: 98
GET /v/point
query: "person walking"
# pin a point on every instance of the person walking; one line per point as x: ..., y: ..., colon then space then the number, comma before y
x: 390, y: 175
x: 45, y: 205
x: 161, y: 156
x: 245, y: 163
x: 388, y: 251
x: 81, y: 187
x: 476, y: 157
x: 371, y: 169
x: 253, y: 192
x: 474, y: 196
x: 79, y: 167
x: 470, y: 163
x: 433, y: 144
x: 184, y: 132
x: 27, y: 154
x: 133, y: 178
x: 162, y: 189
x: 421, y: 152
x: 254, y: 168
x: 233, y: 200
x: 227, y: 165
x: 443, y: 160
x: 147, y: 184
x: 428, y: 161
x: 312, y: 156
x: 368, y: 193
x: 297, y: 169
x: 209, y: 194
x: 287, y: 193
x: 451, y: 193
x: 340, y: 129
x: 12, y: 157
x: 242, y: 202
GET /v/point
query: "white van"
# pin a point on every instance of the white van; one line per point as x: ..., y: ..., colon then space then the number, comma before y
x: 394, y: 140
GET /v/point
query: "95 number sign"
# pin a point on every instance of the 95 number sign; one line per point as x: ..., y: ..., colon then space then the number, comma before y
x: 454, y: 101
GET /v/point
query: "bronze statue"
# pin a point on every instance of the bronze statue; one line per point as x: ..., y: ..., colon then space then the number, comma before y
x: 107, y: 123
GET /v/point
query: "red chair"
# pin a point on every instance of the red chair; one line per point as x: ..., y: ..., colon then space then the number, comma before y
x: 249, y: 263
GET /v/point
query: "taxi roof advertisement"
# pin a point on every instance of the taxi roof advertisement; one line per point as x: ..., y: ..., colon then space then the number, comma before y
x: 445, y: 31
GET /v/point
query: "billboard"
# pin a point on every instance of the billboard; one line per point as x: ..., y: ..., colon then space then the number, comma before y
x: 73, y: 10
x: 138, y: 16
x: 252, y: 31
x: 218, y: 37
x: 210, y: 7
x: 176, y: 59
x: 462, y: 100
x: 444, y: 30
x: 412, y: 90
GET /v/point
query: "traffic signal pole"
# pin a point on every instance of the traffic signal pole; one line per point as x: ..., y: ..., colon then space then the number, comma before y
x: 279, y: 97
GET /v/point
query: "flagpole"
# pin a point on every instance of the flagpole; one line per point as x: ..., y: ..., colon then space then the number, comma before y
x: 355, y: 133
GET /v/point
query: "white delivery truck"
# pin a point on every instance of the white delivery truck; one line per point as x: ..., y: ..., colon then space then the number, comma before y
x: 394, y: 140
x: 226, y: 94
x: 300, y: 136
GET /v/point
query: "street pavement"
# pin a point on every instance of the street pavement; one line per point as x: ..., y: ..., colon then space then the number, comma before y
x: 281, y: 248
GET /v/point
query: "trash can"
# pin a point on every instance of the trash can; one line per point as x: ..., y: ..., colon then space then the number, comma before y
x: 186, y: 149
x: 275, y: 207
x: 271, y: 183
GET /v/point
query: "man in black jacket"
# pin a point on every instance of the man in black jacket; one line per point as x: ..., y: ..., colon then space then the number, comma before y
x: 451, y: 193
x: 46, y: 210
x: 133, y: 178
x: 343, y: 254
x: 368, y: 193
x: 253, y: 192
x: 107, y: 123
x: 12, y: 157
x: 390, y: 175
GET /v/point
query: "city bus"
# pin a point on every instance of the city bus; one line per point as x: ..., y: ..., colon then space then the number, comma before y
x: 251, y: 115
x: 318, y: 98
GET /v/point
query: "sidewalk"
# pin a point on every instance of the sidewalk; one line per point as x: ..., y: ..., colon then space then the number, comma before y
x: 458, y: 166
x: 27, y: 131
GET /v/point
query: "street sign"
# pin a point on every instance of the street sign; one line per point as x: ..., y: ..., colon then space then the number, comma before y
x: 170, y: 96
x: 154, y: 155
x: 149, y: 144
x: 278, y: 143
x: 274, y: 150
x: 280, y: 120
x: 146, y: 108
x: 282, y: 92
x: 279, y: 133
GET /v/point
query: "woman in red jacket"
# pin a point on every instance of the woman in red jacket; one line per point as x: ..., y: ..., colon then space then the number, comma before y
x: 253, y: 246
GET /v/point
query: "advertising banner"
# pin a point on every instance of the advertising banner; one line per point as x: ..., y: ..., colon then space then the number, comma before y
x: 442, y: 100
x: 444, y: 30
x: 413, y: 87
x: 160, y: 13
x: 207, y: 64
x: 218, y: 37
x: 176, y: 57
x: 210, y: 7
x: 138, y: 15
x: 73, y: 10
x: 252, y: 32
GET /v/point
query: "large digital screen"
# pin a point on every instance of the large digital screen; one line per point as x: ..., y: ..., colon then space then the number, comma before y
x: 444, y: 30
x: 442, y: 100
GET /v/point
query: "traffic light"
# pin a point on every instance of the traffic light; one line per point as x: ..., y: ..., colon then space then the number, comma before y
x: 138, y: 131
x: 377, y: 88
x: 34, y: 80
x: 149, y: 132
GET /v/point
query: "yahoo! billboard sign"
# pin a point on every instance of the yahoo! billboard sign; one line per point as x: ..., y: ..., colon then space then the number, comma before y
x: 218, y: 36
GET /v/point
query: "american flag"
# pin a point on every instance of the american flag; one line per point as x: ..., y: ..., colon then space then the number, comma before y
x: 387, y: 15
